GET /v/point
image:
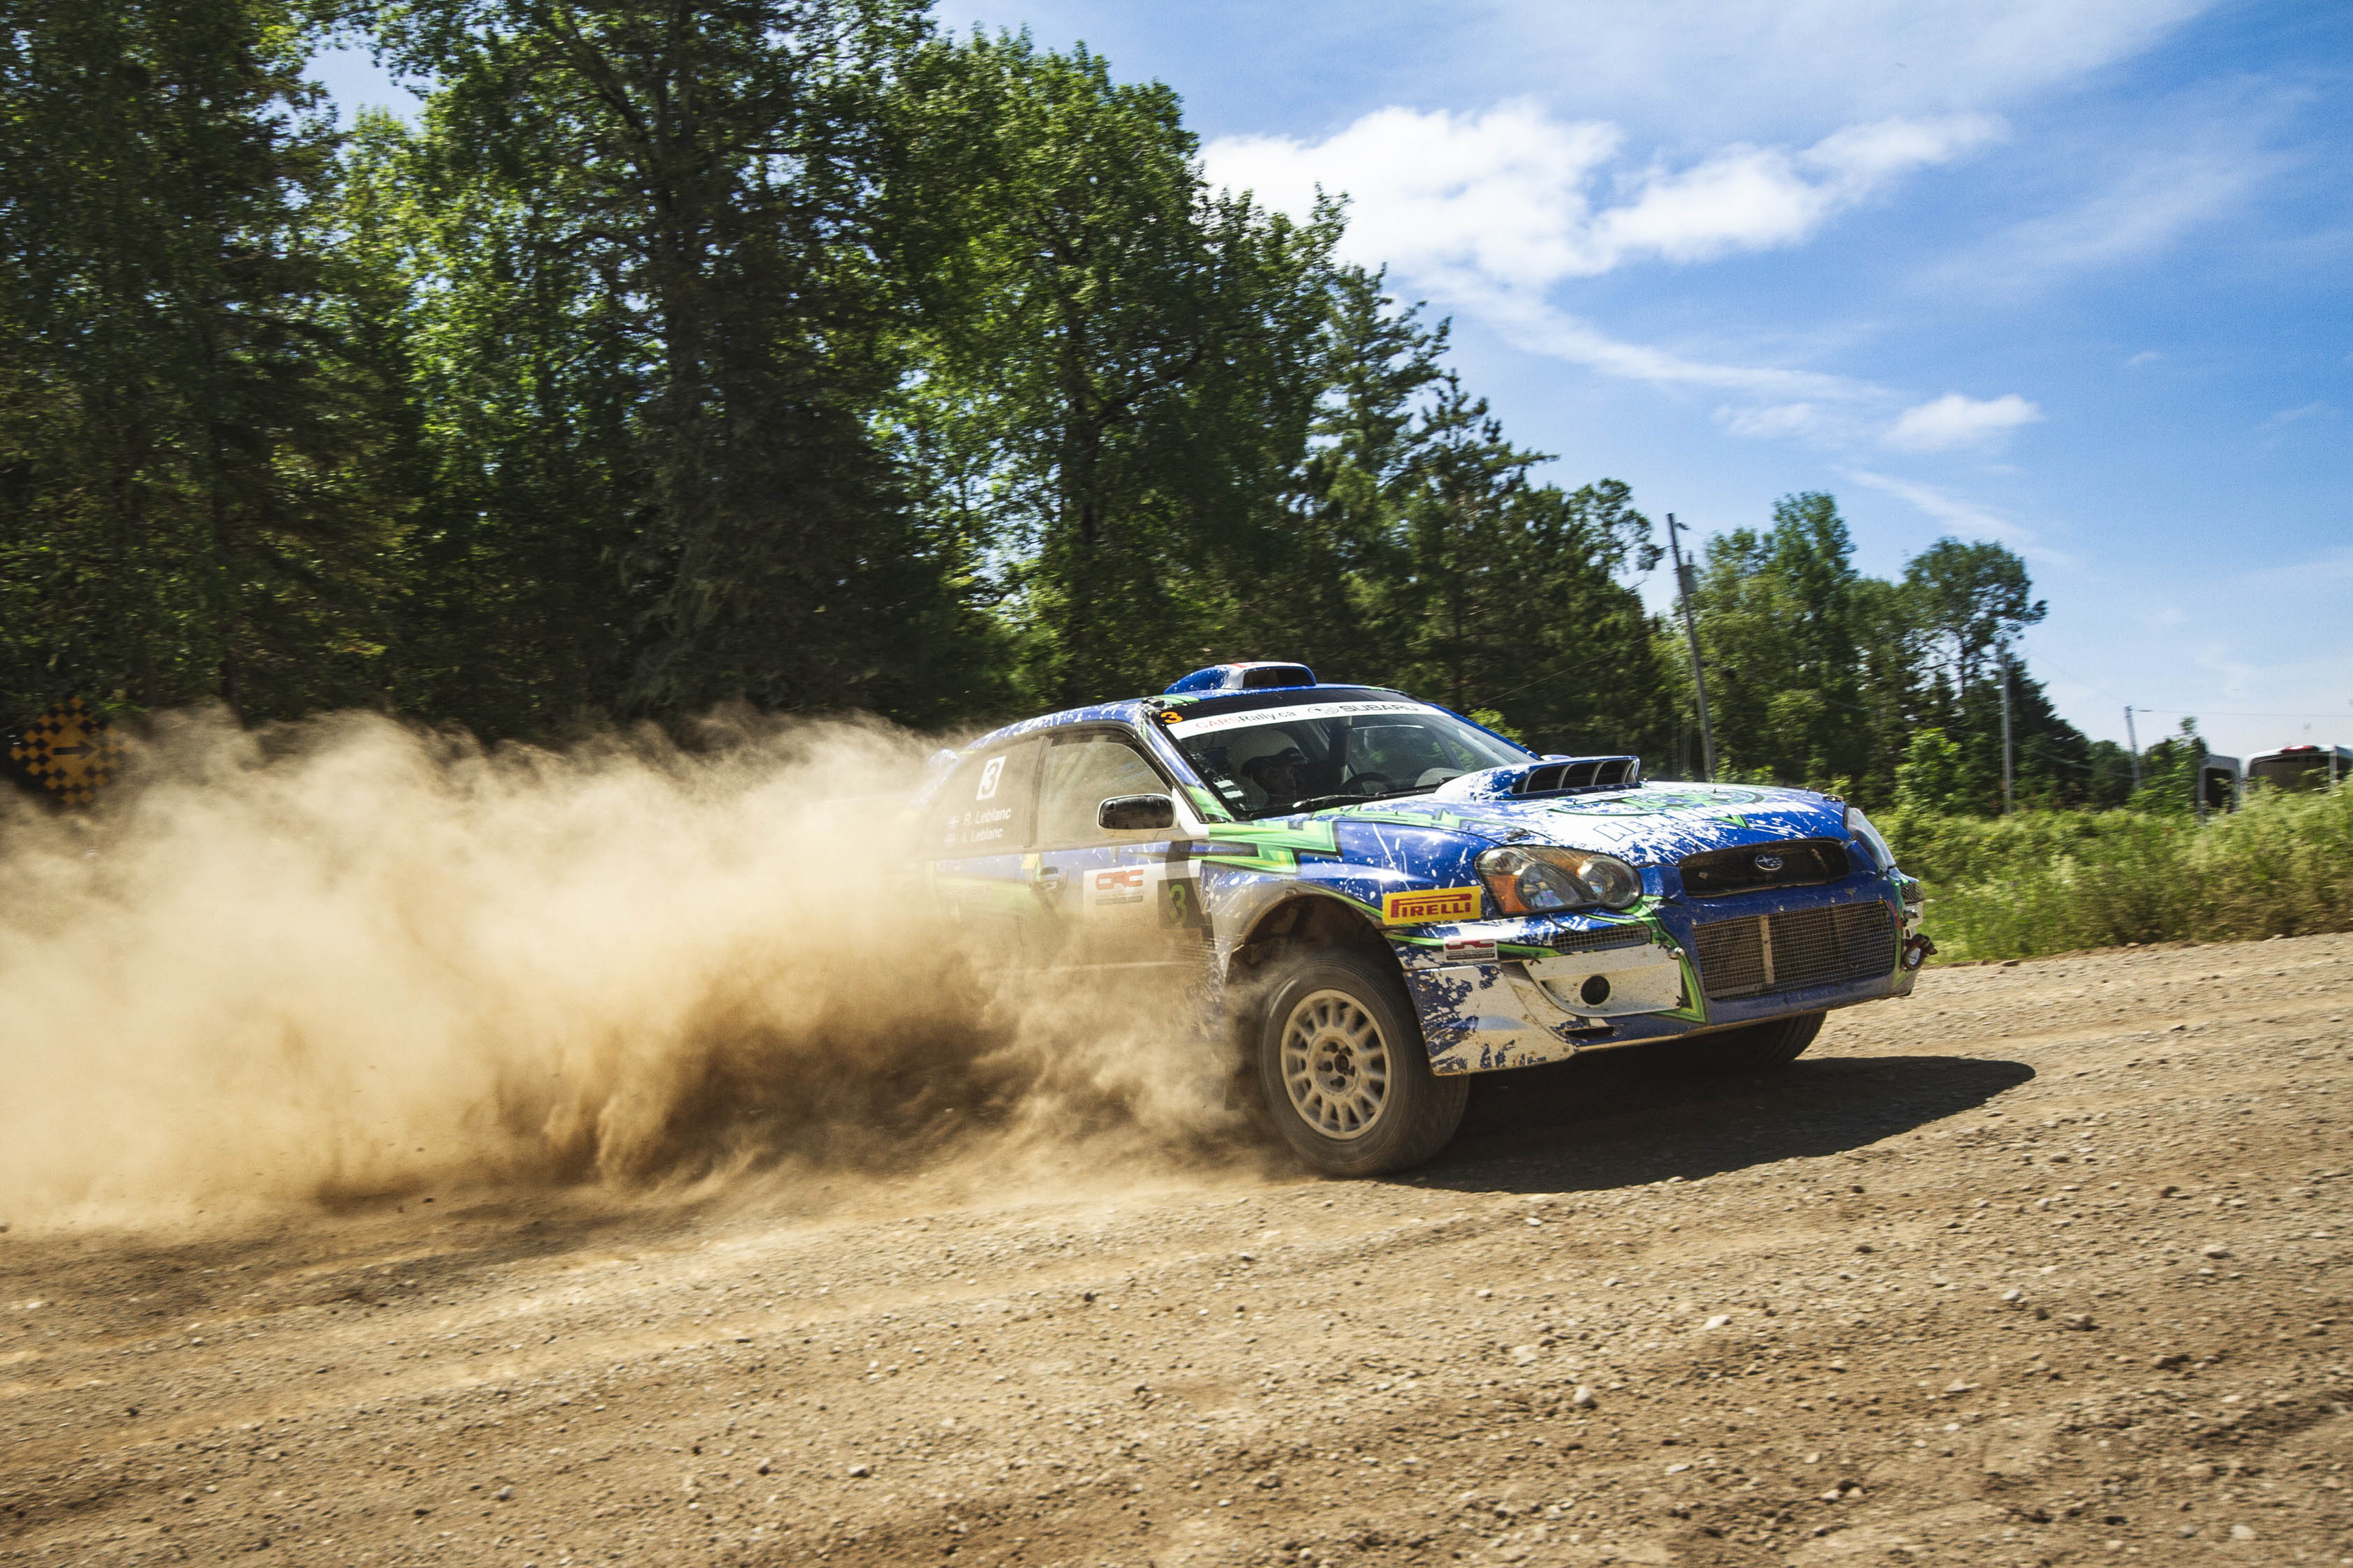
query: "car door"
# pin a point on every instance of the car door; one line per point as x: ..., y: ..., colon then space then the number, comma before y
x: 1120, y: 897
x: 977, y: 837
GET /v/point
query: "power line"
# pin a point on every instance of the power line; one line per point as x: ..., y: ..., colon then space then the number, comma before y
x: 2179, y: 712
x: 2095, y: 685
x: 2233, y: 713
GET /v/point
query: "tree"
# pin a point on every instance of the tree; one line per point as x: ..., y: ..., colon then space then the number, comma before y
x: 701, y: 199
x: 1376, y: 362
x: 1933, y: 775
x: 1968, y: 599
x: 1968, y: 604
x: 2170, y: 771
x: 1123, y: 380
x: 1459, y: 609
x: 1780, y: 614
x: 188, y: 446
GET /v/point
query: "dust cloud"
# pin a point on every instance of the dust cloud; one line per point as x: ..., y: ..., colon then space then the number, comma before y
x: 349, y: 959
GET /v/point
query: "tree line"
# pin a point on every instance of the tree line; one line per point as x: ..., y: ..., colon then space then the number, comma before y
x: 802, y: 354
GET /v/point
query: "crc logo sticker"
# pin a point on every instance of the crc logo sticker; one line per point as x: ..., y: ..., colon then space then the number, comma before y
x: 989, y: 773
x: 1122, y: 886
x: 1470, y: 950
x: 1430, y: 904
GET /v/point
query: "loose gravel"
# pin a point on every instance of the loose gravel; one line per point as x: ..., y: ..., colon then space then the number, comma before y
x: 2047, y: 1265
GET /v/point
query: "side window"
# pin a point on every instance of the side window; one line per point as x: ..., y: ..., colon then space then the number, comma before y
x: 984, y: 806
x: 1081, y: 774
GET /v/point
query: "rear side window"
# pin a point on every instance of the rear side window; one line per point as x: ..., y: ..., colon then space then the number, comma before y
x: 987, y: 805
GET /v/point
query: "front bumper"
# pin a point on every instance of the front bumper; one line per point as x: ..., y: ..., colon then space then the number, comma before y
x: 1520, y: 993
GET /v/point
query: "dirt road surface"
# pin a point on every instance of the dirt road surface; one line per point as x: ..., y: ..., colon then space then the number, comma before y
x: 2048, y: 1265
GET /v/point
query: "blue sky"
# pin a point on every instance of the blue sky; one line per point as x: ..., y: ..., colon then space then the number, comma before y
x: 2069, y: 275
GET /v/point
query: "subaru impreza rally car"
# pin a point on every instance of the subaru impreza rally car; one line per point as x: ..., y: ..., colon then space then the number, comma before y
x: 1383, y: 897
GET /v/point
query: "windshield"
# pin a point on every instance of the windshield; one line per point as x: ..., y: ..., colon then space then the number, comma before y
x: 1271, y: 760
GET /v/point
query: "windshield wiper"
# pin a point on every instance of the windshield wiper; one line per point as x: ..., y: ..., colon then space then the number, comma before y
x: 1318, y: 802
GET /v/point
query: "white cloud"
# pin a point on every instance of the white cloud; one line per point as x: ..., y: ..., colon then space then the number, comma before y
x: 1773, y: 420
x: 1757, y: 198
x: 1505, y: 201
x: 2137, y: 211
x: 1954, y: 420
x: 1711, y: 66
x: 1963, y: 516
x: 1532, y: 325
x: 1714, y: 72
x: 1488, y: 212
x: 2330, y: 574
x: 2146, y: 356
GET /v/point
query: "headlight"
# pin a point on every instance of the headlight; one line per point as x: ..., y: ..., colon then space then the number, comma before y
x: 1539, y: 880
x: 1859, y: 827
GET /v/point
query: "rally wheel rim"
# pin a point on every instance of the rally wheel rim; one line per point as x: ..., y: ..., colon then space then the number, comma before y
x: 1335, y: 1065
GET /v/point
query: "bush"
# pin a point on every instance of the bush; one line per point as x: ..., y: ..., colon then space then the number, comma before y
x: 2056, y: 882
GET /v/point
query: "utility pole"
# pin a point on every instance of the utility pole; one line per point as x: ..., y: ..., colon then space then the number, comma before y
x: 1684, y: 583
x: 2133, y: 741
x: 2002, y: 650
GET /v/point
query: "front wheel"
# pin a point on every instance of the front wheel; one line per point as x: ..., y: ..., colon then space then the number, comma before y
x: 1344, y: 1069
x: 1776, y: 1043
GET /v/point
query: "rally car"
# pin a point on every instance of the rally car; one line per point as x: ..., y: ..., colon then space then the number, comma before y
x: 1383, y: 897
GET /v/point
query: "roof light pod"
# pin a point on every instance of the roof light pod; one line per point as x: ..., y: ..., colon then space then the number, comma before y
x: 1253, y: 677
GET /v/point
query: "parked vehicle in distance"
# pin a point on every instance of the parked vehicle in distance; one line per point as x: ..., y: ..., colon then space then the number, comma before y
x: 1384, y: 898
x: 2218, y: 786
x: 2301, y: 767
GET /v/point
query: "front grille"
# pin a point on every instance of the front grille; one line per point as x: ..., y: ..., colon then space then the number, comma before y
x: 1757, y: 953
x: 1600, y: 941
x: 1802, y: 863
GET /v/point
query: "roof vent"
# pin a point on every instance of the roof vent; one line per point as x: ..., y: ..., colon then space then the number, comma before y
x: 1259, y: 676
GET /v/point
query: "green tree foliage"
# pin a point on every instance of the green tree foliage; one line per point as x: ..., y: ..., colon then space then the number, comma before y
x: 1425, y: 557
x: 1966, y: 600
x: 1967, y: 604
x: 1376, y: 361
x: 188, y: 497
x: 1892, y: 690
x: 1125, y: 376
x: 1781, y: 616
x: 520, y: 448
x: 787, y: 350
x: 1931, y: 778
x: 697, y: 203
x: 775, y: 349
x: 1510, y: 595
x: 2169, y: 772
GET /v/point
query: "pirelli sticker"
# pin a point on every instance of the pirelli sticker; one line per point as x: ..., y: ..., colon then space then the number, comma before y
x: 1430, y: 904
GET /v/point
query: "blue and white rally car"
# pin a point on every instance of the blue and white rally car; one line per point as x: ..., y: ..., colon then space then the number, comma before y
x: 1386, y: 898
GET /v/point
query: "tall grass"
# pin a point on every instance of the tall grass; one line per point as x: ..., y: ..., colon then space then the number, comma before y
x: 2055, y: 881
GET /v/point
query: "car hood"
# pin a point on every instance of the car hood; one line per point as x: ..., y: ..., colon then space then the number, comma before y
x: 1651, y: 823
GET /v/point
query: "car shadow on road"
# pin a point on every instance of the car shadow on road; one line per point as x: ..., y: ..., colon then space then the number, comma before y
x: 1621, y: 1119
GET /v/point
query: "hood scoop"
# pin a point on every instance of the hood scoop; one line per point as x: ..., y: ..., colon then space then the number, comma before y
x: 1552, y: 776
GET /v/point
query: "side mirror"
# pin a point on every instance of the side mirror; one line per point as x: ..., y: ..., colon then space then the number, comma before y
x: 1129, y: 812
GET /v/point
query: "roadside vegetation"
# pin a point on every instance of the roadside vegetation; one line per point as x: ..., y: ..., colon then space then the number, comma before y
x: 2040, y: 882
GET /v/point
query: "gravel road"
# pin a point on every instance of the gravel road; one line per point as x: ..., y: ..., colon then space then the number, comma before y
x: 2047, y: 1265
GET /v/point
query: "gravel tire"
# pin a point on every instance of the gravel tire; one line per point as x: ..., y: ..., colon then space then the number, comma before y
x: 1344, y: 1069
x: 1762, y: 1046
